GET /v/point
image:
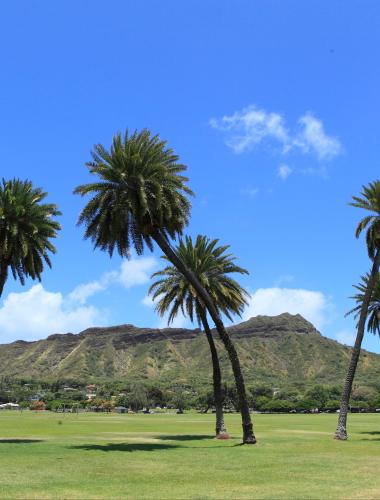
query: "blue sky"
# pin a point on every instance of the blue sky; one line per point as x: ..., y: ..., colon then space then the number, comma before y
x: 273, y: 105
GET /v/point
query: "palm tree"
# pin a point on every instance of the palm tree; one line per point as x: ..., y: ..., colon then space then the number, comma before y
x: 173, y: 292
x: 141, y: 197
x: 370, y: 201
x: 26, y: 227
x: 373, y: 323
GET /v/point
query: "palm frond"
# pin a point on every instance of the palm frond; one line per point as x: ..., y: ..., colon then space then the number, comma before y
x: 26, y: 228
x: 212, y: 266
x: 139, y: 188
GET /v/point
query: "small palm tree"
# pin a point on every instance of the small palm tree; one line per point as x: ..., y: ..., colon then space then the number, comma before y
x: 369, y: 201
x: 141, y: 197
x: 373, y: 322
x: 173, y: 292
x: 26, y: 228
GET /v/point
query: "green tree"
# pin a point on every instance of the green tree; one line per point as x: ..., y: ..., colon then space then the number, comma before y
x: 26, y: 228
x: 260, y: 402
x: 179, y: 399
x: 332, y: 404
x: 306, y: 405
x: 320, y: 394
x: 370, y: 201
x: 212, y: 266
x: 157, y: 396
x: 204, y: 400
x: 261, y: 390
x: 141, y: 197
x: 122, y: 401
x: 279, y: 406
x: 363, y: 393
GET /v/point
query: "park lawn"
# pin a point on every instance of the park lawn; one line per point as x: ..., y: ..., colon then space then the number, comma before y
x: 49, y: 455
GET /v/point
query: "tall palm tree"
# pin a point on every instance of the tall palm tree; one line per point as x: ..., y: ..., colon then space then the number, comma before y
x: 174, y: 293
x: 26, y: 227
x: 369, y: 201
x: 141, y: 197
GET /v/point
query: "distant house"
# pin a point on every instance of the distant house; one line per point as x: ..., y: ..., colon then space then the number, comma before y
x: 9, y: 406
x: 35, y: 397
x: 121, y: 409
x: 91, y: 391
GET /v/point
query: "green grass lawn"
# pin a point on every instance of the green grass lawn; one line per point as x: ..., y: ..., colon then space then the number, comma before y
x: 51, y: 455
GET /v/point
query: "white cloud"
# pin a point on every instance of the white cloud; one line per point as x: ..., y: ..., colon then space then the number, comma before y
x: 284, y: 171
x: 37, y: 313
x: 252, y: 126
x: 136, y: 271
x: 249, y: 127
x: 345, y: 337
x: 313, y: 138
x: 132, y: 272
x: 313, y: 306
x: 84, y: 291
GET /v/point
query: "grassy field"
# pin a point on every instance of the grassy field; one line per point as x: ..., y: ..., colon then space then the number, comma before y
x: 175, y: 456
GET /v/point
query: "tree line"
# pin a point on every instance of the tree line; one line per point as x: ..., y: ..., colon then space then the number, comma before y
x: 140, y: 395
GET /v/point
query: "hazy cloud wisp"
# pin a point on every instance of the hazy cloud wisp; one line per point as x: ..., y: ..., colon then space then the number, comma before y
x: 252, y: 126
x: 284, y: 171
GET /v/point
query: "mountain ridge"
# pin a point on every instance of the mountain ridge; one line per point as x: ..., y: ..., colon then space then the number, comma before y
x: 257, y: 326
x: 279, y: 350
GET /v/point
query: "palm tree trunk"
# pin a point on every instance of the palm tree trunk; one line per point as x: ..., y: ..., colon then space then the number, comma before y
x: 162, y: 242
x: 217, y: 378
x: 341, y: 430
x: 3, y: 276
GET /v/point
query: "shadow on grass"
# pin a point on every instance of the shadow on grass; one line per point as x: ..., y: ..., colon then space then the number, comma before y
x: 20, y: 441
x: 184, y: 437
x: 371, y: 433
x: 130, y: 447
x: 125, y: 447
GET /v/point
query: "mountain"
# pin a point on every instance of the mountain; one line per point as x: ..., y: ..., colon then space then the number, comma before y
x: 284, y: 350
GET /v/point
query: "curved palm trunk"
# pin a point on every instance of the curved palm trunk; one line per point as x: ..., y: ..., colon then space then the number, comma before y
x: 3, y: 276
x: 217, y: 378
x: 248, y: 435
x: 341, y: 430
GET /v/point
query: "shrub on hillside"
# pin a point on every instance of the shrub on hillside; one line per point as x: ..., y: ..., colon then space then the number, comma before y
x: 332, y: 405
x: 279, y: 406
x: 306, y: 405
x: 363, y: 393
x: 260, y: 402
x: 38, y: 406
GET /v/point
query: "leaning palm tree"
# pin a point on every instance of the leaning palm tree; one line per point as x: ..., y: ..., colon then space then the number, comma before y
x: 369, y: 201
x: 26, y: 227
x: 141, y: 197
x: 172, y: 293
